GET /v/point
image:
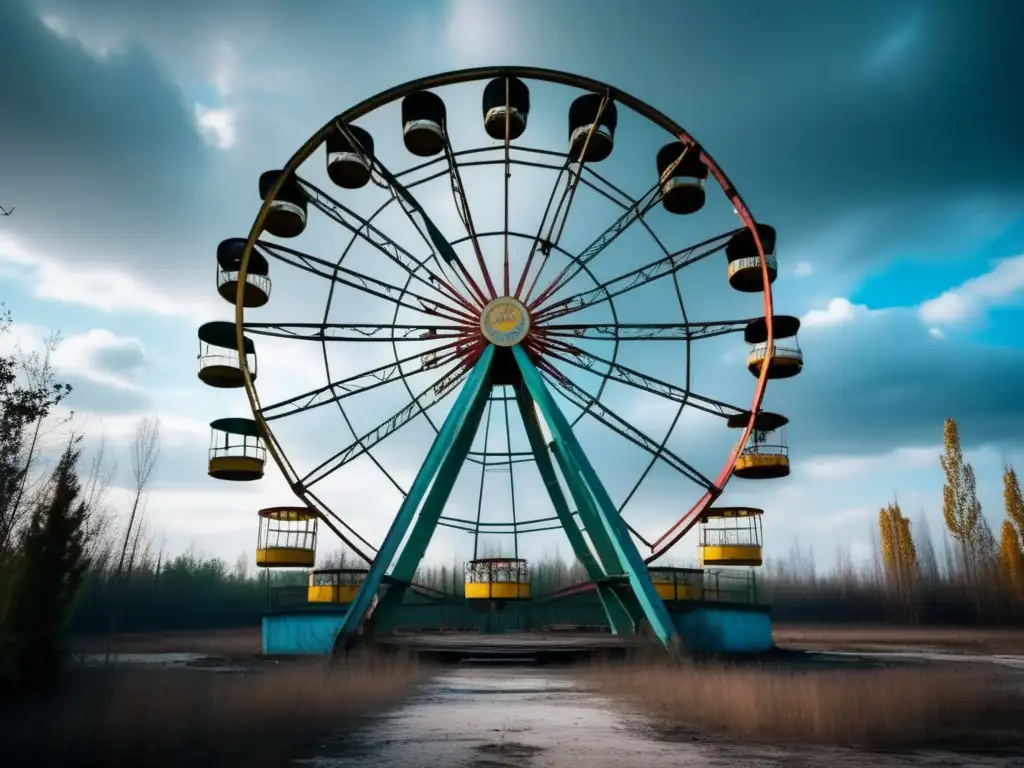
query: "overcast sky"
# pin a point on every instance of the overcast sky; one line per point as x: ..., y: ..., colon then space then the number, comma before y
x: 881, y: 139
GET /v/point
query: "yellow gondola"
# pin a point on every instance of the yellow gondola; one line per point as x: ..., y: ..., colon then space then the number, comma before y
x: 497, y: 579
x: 675, y: 584
x: 287, y: 537
x: 787, y: 359
x: 337, y: 586
x: 218, y: 356
x: 731, y: 536
x: 766, y: 455
x: 236, y: 452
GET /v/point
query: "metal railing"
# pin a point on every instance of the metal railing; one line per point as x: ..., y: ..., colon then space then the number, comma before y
x: 262, y: 282
x: 730, y: 537
x: 759, y: 352
x: 765, y: 449
x: 751, y: 262
x: 211, y: 359
x: 243, y: 451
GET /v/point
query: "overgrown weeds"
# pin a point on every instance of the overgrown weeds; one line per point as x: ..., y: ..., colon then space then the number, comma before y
x: 875, y: 708
x: 181, y: 716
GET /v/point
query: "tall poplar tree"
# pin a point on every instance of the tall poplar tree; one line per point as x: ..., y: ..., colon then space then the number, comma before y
x: 960, y: 506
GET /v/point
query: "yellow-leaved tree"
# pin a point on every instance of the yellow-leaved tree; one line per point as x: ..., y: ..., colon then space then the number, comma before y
x: 899, y: 555
x: 1013, y: 500
x: 1011, y: 561
x: 1011, y: 558
x: 960, y: 506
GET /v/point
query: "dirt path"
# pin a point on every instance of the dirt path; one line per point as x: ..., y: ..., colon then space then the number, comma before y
x: 535, y: 718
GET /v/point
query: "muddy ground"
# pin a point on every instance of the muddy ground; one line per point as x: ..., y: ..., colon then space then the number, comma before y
x: 519, y: 717
x: 528, y: 717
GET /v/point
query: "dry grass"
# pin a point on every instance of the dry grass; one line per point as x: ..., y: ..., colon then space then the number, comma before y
x: 877, y: 708
x: 170, y: 717
x: 979, y: 640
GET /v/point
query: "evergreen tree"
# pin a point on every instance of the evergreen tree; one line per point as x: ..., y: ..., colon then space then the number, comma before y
x: 24, y: 400
x: 52, y: 567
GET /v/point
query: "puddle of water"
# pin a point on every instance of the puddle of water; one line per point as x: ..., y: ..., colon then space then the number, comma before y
x: 163, y: 659
x: 525, y: 718
x: 506, y: 718
x: 193, y: 661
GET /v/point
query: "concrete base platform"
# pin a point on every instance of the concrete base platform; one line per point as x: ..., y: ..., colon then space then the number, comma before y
x: 723, y: 628
x: 301, y: 631
x: 704, y: 628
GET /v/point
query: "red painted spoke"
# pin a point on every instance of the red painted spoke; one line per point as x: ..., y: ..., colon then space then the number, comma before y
x: 568, y: 193
x: 637, y: 278
x: 508, y: 173
x: 462, y: 207
x: 405, y: 198
x: 634, y: 213
x: 361, y: 227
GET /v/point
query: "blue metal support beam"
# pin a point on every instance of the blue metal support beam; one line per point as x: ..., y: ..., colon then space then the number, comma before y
x: 632, y: 563
x: 476, y: 387
x: 618, y: 615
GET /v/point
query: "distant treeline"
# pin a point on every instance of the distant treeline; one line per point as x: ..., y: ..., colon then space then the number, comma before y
x: 188, y: 592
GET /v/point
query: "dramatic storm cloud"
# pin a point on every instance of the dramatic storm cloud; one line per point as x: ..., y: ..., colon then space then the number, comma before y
x: 882, y: 139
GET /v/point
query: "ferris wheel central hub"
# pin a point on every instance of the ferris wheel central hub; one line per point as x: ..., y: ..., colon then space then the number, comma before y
x: 505, y: 321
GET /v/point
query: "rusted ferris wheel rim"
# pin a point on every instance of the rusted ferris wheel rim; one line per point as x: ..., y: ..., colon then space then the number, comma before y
x: 466, y: 302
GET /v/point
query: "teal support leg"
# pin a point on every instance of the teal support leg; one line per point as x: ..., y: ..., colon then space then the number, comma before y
x: 633, y: 565
x: 426, y: 522
x: 478, y: 381
x: 618, y: 616
x: 599, y: 536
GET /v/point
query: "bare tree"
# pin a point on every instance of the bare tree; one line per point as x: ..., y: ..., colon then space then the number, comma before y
x: 145, y: 452
x: 141, y: 544
x: 340, y: 558
x: 929, y: 563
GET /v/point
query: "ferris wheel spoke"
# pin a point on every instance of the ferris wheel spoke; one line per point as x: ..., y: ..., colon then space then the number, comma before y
x: 367, y: 332
x: 633, y: 214
x: 635, y: 279
x: 462, y: 207
x: 506, y: 283
x: 622, y: 374
x: 329, y: 515
x: 371, y: 234
x: 427, y: 399
x: 364, y: 283
x: 603, y: 414
x: 572, y: 172
x: 440, y: 248
x: 336, y: 391
x: 441, y: 256
x: 644, y: 331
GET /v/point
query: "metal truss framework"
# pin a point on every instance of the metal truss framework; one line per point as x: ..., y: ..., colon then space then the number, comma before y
x: 614, y: 559
x: 449, y: 350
